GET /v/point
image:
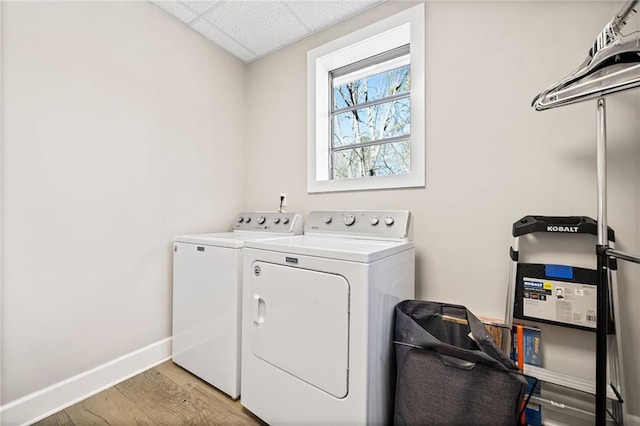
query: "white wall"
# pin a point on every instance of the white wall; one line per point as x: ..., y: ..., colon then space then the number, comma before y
x: 491, y: 159
x: 121, y: 128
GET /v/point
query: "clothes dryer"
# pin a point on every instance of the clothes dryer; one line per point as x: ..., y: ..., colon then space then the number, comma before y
x: 207, y: 288
x: 317, y: 318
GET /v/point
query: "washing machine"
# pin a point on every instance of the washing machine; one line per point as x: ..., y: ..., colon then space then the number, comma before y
x: 318, y: 318
x: 207, y: 289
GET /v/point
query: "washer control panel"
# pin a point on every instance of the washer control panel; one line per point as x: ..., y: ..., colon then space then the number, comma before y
x: 280, y: 223
x: 374, y: 224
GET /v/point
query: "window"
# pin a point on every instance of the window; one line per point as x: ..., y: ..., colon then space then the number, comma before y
x: 366, y: 107
x: 371, y: 117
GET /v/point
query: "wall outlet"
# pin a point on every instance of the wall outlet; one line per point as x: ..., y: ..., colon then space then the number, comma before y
x: 283, y: 196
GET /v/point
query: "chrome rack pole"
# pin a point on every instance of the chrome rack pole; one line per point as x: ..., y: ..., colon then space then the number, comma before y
x: 604, y: 253
x: 623, y: 256
x: 602, y: 265
x: 601, y: 170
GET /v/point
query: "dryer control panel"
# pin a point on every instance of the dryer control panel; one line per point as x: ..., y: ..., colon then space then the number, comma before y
x: 278, y: 223
x: 370, y: 224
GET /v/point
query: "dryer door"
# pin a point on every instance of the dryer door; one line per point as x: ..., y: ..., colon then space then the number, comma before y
x: 300, y: 324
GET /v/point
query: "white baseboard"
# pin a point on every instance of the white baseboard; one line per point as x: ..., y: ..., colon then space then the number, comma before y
x: 43, y: 403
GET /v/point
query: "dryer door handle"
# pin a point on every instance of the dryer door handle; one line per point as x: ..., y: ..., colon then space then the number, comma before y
x: 259, y: 309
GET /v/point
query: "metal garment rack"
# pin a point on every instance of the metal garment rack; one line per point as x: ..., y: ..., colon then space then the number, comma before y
x: 613, y: 65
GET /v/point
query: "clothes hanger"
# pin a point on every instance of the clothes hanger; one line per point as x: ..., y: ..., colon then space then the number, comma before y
x: 613, y: 65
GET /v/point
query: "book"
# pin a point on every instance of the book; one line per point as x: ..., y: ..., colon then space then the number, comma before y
x: 531, y: 348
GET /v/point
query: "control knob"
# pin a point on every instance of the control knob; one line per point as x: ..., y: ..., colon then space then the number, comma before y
x: 276, y: 220
x: 261, y: 219
x: 349, y: 220
x: 327, y: 219
x: 373, y: 220
x: 240, y: 219
x: 285, y: 220
x: 247, y: 219
x: 388, y: 221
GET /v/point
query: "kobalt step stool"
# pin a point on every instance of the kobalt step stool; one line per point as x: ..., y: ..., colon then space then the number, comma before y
x: 536, y: 289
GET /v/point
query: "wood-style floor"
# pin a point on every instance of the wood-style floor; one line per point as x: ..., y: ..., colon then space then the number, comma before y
x: 163, y: 395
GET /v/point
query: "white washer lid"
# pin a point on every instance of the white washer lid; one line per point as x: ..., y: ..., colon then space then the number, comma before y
x: 353, y: 250
x: 224, y: 239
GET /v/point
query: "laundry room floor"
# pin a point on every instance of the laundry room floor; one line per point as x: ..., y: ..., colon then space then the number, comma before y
x: 165, y: 394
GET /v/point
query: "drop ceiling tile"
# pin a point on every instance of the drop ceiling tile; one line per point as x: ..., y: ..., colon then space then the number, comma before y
x: 176, y: 9
x: 319, y: 14
x: 250, y: 29
x: 198, y: 6
x: 260, y: 26
x: 223, y: 40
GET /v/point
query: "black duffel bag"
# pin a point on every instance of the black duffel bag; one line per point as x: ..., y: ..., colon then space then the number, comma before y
x: 450, y: 371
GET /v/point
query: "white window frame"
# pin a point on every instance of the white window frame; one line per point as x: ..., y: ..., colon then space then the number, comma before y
x: 405, y: 27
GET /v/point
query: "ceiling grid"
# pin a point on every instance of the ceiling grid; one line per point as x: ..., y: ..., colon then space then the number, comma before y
x: 251, y: 29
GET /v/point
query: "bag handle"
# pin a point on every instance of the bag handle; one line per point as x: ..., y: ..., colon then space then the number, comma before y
x: 483, y: 338
x: 449, y: 360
